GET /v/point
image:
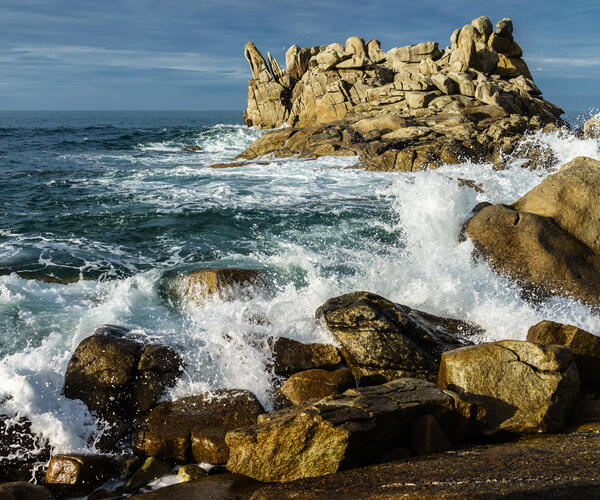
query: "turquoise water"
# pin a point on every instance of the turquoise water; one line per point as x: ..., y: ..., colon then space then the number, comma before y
x: 112, y: 198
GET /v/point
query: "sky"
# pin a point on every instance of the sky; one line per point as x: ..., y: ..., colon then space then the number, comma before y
x: 188, y: 54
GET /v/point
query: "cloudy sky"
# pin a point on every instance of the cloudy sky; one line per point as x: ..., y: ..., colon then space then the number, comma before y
x: 188, y: 54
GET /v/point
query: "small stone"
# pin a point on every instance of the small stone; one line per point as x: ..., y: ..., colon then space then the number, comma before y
x: 191, y: 473
x: 150, y: 470
x: 79, y: 474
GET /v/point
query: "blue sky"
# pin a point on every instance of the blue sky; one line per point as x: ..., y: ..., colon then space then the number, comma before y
x: 188, y: 54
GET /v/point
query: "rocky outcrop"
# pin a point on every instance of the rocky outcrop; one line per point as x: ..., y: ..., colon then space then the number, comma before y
x: 315, y: 384
x: 584, y: 346
x: 524, y: 387
x: 474, y: 99
x: 226, y: 284
x: 383, y: 341
x: 119, y: 378
x: 194, y: 428
x: 343, y: 431
x: 549, y: 240
x: 291, y: 356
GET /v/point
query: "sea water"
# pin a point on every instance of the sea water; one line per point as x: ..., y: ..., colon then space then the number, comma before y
x: 111, y: 204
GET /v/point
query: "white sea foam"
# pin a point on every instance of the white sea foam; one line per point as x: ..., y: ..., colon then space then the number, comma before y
x: 392, y: 234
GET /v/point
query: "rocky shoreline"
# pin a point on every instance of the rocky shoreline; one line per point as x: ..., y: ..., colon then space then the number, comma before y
x: 407, y: 403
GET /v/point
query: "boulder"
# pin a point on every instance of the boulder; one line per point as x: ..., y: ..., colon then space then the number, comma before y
x: 374, y: 51
x: 584, y: 346
x: 484, y: 26
x: 414, y: 53
x: 591, y: 128
x: 356, y: 46
x: 151, y: 469
x: 315, y: 384
x: 524, y: 387
x: 341, y: 431
x: 226, y: 284
x: 21, y: 490
x: 191, y: 472
x: 383, y: 341
x: 549, y: 239
x: 21, y: 451
x: 117, y: 377
x: 291, y: 356
x: 77, y: 474
x: 194, y: 428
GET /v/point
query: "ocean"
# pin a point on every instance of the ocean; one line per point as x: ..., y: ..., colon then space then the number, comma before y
x: 98, y: 209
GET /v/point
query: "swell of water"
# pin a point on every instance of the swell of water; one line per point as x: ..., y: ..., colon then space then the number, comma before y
x: 118, y: 200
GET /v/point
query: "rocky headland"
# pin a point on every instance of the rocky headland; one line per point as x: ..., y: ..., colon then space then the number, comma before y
x: 406, y: 404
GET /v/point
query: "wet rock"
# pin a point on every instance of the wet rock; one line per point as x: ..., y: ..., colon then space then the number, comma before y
x: 548, y: 240
x: 194, y: 428
x: 591, y: 128
x: 77, y: 474
x: 221, y: 486
x: 21, y: 490
x: 191, y: 473
x: 118, y: 378
x: 384, y: 341
x: 193, y: 149
x: 340, y: 431
x: 226, y: 284
x: 524, y: 387
x: 291, y: 356
x: 150, y: 470
x: 315, y: 384
x: 21, y: 451
x: 584, y: 346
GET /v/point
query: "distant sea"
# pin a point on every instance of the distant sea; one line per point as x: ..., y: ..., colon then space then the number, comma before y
x: 98, y: 209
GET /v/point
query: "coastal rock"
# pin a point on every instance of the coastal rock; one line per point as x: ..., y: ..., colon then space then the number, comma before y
x: 591, y: 128
x: 383, y: 341
x: 549, y: 239
x: 340, y: 431
x: 226, y: 284
x: 20, y: 449
x: 524, y: 387
x: 191, y: 472
x: 315, y: 384
x: 150, y: 470
x: 194, y: 427
x: 333, y: 87
x: 118, y: 378
x: 584, y: 346
x: 77, y: 474
x: 21, y: 490
x: 291, y: 356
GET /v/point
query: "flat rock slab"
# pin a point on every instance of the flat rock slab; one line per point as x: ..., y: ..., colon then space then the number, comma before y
x: 219, y: 487
x: 556, y: 466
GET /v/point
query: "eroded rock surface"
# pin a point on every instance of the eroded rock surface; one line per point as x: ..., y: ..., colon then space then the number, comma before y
x: 291, y: 356
x: 344, y: 430
x: 549, y: 240
x: 524, y: 387
x: 315, y: 384
x: 383, y: 341
x: 473, y: 100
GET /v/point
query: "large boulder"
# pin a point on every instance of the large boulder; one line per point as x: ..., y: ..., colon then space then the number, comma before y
x: 194, y: 428
x: 549, y: 239
x: 343, y: 431
x: 524, y: 387
x: 315, y: 384
x: 291, y: 356
x: 383, y: 341
x: 584, y: 346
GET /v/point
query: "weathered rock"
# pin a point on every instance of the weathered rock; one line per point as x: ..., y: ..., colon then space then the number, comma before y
x: 291, y: 356
x: 374, y: 51
x: 118, y: 378
x: 315, y: 384
x: 195, y: 427
x: 219, y: 487
x: 591, y: 128
x: 549, y: 239
x: 20, y: 449
x: 414, y: 53
x: 151, y: 469
x: 340, y: 431
x: 77, y: 474
x: 384, y: 341
x: 226, y: 284
x: 524, y: 387
x: 21, y: 490
x: 191, y: 472
x: 484, y: 26
x: 584, y: 346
